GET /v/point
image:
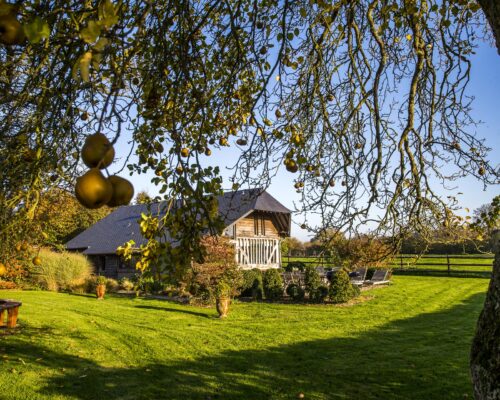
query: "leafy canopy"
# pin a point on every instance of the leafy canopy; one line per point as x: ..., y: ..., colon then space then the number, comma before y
x: 363, y: 101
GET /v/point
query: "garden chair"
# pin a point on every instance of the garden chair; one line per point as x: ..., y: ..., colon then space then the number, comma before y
x: 287, y: 278
x: 380, y: 277
x: 358, y: 276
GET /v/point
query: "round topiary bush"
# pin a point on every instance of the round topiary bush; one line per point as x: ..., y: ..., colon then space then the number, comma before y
x: 295, y: 292
x: 252, y: 283
x: 319, y: 294
x: 273, y: 284
x: 312, y: 280
x: 341, y: 289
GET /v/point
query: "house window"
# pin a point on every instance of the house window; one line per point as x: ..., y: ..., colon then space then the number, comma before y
x: 259, y: 225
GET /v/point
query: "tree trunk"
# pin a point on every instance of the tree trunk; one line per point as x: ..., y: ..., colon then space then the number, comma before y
x: 491, y: 9
x: 485, y: 353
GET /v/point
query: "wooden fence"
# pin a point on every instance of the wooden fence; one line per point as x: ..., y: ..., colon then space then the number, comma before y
x: 447, y: 264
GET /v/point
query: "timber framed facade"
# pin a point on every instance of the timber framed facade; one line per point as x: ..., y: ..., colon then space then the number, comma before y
x: 254, y: 220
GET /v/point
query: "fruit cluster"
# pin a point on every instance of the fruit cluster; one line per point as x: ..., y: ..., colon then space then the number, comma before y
x: 93, y: 189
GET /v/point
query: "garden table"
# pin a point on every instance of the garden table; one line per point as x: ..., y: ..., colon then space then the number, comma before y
x: 12, y: 308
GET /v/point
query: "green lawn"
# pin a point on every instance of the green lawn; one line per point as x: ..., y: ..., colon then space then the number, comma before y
x: 407, y: 341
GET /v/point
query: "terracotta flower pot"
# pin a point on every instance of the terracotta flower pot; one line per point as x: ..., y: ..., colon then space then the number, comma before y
x: 222, y: 306
x: 100, y: 291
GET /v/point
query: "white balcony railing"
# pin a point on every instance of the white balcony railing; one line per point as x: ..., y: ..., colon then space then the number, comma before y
x: 256, y: 252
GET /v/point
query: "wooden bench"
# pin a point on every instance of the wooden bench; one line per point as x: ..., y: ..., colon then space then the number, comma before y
x: 12, y: 308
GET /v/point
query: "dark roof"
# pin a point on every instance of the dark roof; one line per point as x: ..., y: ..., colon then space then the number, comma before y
x: 122, y: 224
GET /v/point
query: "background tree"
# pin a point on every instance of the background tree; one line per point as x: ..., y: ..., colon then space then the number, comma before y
x: 292, y: 246
x: 487, y: 217
x: 143, y: 197
x: 61, y: 217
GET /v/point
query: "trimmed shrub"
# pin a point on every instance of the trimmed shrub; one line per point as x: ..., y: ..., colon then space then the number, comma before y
x: 258, y: 287
x: 295, y: 292
x: 252, y: 284
x: 319, y: 294
x: 62, y: 271
x: 273, y: 284
x: 341, y: 289
x: 295, y: 266
x: 356, y: 290
x: 148, y: 284
x: 312, y: 280
x: 112, y: 285
x: 126, y: 284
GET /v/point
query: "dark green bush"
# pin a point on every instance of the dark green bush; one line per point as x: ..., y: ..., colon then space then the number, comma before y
x: 273, y: 284
x: 356, y: 290
x: 319, y: 294
x: 147, y: 284
x: 295, y: 265
x: 341, y: 289
x: 295, y: 292
x: 312, y: 281
x: 249, y: 278
x: 252, y: 284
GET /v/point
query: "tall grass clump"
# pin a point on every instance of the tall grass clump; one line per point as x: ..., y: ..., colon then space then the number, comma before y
x: 62, y: 271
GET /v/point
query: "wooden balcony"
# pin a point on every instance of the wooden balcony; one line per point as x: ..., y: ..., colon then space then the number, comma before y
x: 258, y: 252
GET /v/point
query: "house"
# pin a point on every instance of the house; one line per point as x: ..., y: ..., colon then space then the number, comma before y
x: 254, y: 220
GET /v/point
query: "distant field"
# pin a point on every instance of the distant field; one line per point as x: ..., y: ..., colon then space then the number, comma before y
x: 459, y: 263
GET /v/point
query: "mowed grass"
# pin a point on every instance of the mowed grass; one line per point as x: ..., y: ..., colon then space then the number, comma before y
x: 410, y: 340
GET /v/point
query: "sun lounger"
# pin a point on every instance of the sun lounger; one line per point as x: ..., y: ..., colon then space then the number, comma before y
x: 358, y: 276
x: 380, y: 277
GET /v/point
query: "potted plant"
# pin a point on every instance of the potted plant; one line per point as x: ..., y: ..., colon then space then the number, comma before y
x: 222, y: 298
x: 100, y: 287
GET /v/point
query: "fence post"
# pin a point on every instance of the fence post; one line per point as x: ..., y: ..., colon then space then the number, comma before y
x: 448, y: 262
x: 400, y: 262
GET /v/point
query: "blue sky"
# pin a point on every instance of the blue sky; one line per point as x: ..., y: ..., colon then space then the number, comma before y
x: 484, y: 86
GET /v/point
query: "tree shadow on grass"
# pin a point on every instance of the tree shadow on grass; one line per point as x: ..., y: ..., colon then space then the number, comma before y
x: 176, y: 310
x: 424, y: 357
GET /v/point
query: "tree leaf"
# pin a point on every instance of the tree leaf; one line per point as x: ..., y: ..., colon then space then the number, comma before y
x: 37, y: 30
x: 91, y: 32
x: 84, y: 65
x: 107, y: 14
x: 101, y: 44
x: 96, y: 61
